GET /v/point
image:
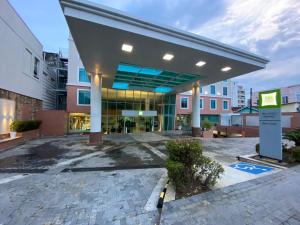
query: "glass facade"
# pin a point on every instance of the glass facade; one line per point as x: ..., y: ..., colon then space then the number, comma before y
x: 114, y: 101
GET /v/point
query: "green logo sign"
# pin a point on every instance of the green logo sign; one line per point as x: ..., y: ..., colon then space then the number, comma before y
x: 269, y: 99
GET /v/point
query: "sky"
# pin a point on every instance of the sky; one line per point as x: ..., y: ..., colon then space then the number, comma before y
x: 268, y: 28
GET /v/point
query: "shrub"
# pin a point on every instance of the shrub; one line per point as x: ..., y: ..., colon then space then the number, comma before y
x: 296, y: 154
x: 188, y: 168
x: 293, y: 136
x: 13, y: 126
x: 21, y: 126
x: 209, y: 171
x: 206, y: 124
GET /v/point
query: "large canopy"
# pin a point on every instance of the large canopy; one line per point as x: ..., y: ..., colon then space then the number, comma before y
x: 129, y: 52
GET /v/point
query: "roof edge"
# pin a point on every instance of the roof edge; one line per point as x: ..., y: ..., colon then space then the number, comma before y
x: 111, y: 13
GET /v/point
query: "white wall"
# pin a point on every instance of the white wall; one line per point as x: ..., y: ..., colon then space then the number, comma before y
x: 15, y: 38
x: 74, y: 63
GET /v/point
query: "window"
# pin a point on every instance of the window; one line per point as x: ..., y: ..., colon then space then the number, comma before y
x: 212, y: 89
x: 201, y: 103
x: 184, y: 103
x: 285, y: 100
x: 297, y: 97
x: 83, y: 77
x: 225, y: 91
x: 84, y: 97
x: 213, y: 104
x: 201, y: 90
x: 27, y: 62
x: 225, y: 105
x: 36, y: 67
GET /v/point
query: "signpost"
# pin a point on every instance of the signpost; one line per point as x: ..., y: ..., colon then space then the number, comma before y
x: 270, y: 131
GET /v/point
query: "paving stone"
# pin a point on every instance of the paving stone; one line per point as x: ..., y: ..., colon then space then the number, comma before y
x: 270, y: 200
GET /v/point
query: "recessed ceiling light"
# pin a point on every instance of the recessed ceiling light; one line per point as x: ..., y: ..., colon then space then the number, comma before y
x: 168, y: 57
x: 225, y: 69
x: 127, y: 48
x: 200, y: 63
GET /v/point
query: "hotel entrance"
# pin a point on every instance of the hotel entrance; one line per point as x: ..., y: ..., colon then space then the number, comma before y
x: 140, y: 124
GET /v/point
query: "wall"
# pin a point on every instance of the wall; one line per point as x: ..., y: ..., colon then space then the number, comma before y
x: 54, y: 122
x: 72, y: 101
x: 15, y: 38
x: 48, y: 87
x: 206, y: 107
x: 25, y: 107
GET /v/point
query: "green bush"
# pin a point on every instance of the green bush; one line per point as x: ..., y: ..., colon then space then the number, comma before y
x: 21, y: 126
x: 293, y: 136
x: 188, y: 168
x: 209, y: 171
x: 206, y: 124
x: 296, y: 154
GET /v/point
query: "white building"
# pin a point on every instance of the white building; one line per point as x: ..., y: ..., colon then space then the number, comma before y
x: 24, y: 81
x: 238, y: 95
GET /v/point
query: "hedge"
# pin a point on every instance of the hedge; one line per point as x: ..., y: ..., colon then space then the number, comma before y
x: 26, y: 125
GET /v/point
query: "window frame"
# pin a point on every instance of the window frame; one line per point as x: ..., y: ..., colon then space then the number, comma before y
x: 214, y: 89
x: 202, y: 100
x: 27, y: 64
x: 36, y: 65
x: 216, y: 104
x: 283, y: 97
x: 226, y: 91
x: 81, y: 89
x: 78, y: 76
x: 187, y: 102
x: 227, y: 104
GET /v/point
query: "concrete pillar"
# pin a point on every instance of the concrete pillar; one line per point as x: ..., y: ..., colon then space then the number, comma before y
x: 96, y: 112
x: 196, y: 129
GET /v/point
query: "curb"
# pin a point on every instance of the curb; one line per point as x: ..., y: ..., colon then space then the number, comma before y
x: 162, y: 195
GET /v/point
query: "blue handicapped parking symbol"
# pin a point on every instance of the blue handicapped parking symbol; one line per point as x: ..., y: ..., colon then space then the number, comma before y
x: 251, y: 168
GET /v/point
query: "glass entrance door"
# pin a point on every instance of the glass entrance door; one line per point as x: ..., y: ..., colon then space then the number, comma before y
x: 139, y: 124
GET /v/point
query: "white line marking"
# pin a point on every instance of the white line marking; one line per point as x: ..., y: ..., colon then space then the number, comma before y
x: 12, y: 178
x: 155, y: 151
x: 152, y: 201
x: 68, y: 162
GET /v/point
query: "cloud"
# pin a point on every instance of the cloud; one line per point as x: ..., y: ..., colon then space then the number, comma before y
x: 248, y: 22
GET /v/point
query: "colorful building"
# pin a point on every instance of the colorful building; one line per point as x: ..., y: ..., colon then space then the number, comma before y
x: 215, y: 99
x: 132, y: 69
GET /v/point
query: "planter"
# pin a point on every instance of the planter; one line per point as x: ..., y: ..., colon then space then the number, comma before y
x: 208, y: 134
x: 13, y: 134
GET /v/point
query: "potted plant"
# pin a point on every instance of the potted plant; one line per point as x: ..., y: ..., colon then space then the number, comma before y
x: 13, y: 129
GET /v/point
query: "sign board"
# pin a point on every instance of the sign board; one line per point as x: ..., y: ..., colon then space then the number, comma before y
x: 135, y: 113
x: 270, y: 130
x: 251, y: 168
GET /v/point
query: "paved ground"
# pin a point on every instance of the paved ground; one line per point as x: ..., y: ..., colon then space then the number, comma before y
x: 65, y: 181
x: 271, y: 199
x: 117, y: 197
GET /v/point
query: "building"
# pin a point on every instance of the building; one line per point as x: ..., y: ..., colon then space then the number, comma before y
x: 238, y: 95
x: 289, y: 95
x: 21, y: 69
x: 215, y: 99
x: 134, y: 69
x: 55, y: 89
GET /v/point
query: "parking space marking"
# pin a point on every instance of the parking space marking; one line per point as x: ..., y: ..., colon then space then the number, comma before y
x: 251, y: 168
